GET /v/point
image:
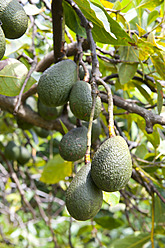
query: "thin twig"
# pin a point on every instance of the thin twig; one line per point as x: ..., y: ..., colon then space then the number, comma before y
x: 16, y: 180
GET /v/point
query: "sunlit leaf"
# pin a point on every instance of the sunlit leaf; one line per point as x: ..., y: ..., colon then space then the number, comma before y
x: 107, y: 4
x: 151, y: 4
x: 12, y: 76
x: 63, y: 126
x: 153, y: 15
x: 56, y: 169
x: 32, y: 9
x: 111, y: 198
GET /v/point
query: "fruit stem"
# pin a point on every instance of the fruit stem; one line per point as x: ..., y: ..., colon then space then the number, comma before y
x: 110, y: 107
x: 94, y: 95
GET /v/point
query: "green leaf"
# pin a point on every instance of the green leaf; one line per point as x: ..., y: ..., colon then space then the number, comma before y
x: 122, y: 38
x: 126, y: 72
x: 107, y: 221
x: 63, y: 126
x: 56, y: 169
x: 72, y: 20
x: 159, y: 65
x: 112, y: 198
x: 152, y: 16
x: 99, y: 32
x: 159, y: 209
x: 151, y: 4
x: 160, y: 96
x: 141, y: 151
x: 143, y: 92
x: 136, y: 240
x: 12, y: 76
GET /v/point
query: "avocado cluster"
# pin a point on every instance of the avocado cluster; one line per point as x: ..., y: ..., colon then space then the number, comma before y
x: 13, y: 22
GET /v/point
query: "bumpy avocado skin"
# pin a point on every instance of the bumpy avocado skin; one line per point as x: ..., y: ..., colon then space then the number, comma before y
x: 80, y: 101
x: 2, y: 43
x: 73, y: 145
x: 14, y: 19
x: 11, y: 151
x: 111, y: 166
x: 83, y: 198
x: 56, y: 82
x: 49, y: 113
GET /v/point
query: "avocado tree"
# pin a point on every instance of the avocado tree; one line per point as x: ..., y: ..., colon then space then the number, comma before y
x: 74, y: 76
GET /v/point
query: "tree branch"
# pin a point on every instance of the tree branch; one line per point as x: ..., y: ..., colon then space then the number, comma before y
x: 150, y: 118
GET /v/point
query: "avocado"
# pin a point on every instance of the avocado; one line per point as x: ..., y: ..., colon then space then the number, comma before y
x: 24, y: 155
x: 73, y: 145
x: 111, y: 166
x: 41, y: 132
x: 56, y: 82
x: 11, y: 151
x: 82, y: 72
x: 96, y: 129
x: 49, y: 113
x: 2, y: 43
x: 83, y: 198
x: 14, y: 19
x: 80, y: 101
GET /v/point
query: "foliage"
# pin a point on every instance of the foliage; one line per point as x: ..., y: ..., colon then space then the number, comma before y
x: 130, y: 47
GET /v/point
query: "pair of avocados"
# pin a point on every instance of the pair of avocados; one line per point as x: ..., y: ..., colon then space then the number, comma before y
x: 19, y: 153
x: 13, y: 22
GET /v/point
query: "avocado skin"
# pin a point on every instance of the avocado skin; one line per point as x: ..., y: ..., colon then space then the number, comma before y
x: 24, y: 155
x: 96, y: 129
x: 56, y: 82
x: 11, y: 151
x: 2, y: 43
x: 80, y: 101
x: 49, y: 113
x: 14, y: 19
x: 83, y: 198
x: 73, y: 145
x: 111, y: 166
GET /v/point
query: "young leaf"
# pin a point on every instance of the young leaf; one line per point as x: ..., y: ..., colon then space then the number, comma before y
x: 55, y: 170
x: 159, y: 65
x: 12, y: 76
x: 63, y: 126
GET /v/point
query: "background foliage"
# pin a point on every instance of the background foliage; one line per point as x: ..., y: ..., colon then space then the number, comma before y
x: 129, y: 36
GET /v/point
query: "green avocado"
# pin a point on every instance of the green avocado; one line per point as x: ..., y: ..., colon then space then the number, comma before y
x: 80, y: 101
x: 56, y: 82
x: 24, y: 155
x: 11, y: 151
x: 14, y: 19
x: 41, y: 132
x: 82, y: 72
x: 83, y: 198
x: 111, y: 166
x: 49, y: 113
x: 73, y: 145
x: 2, y: 43
x: 96, y: 129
